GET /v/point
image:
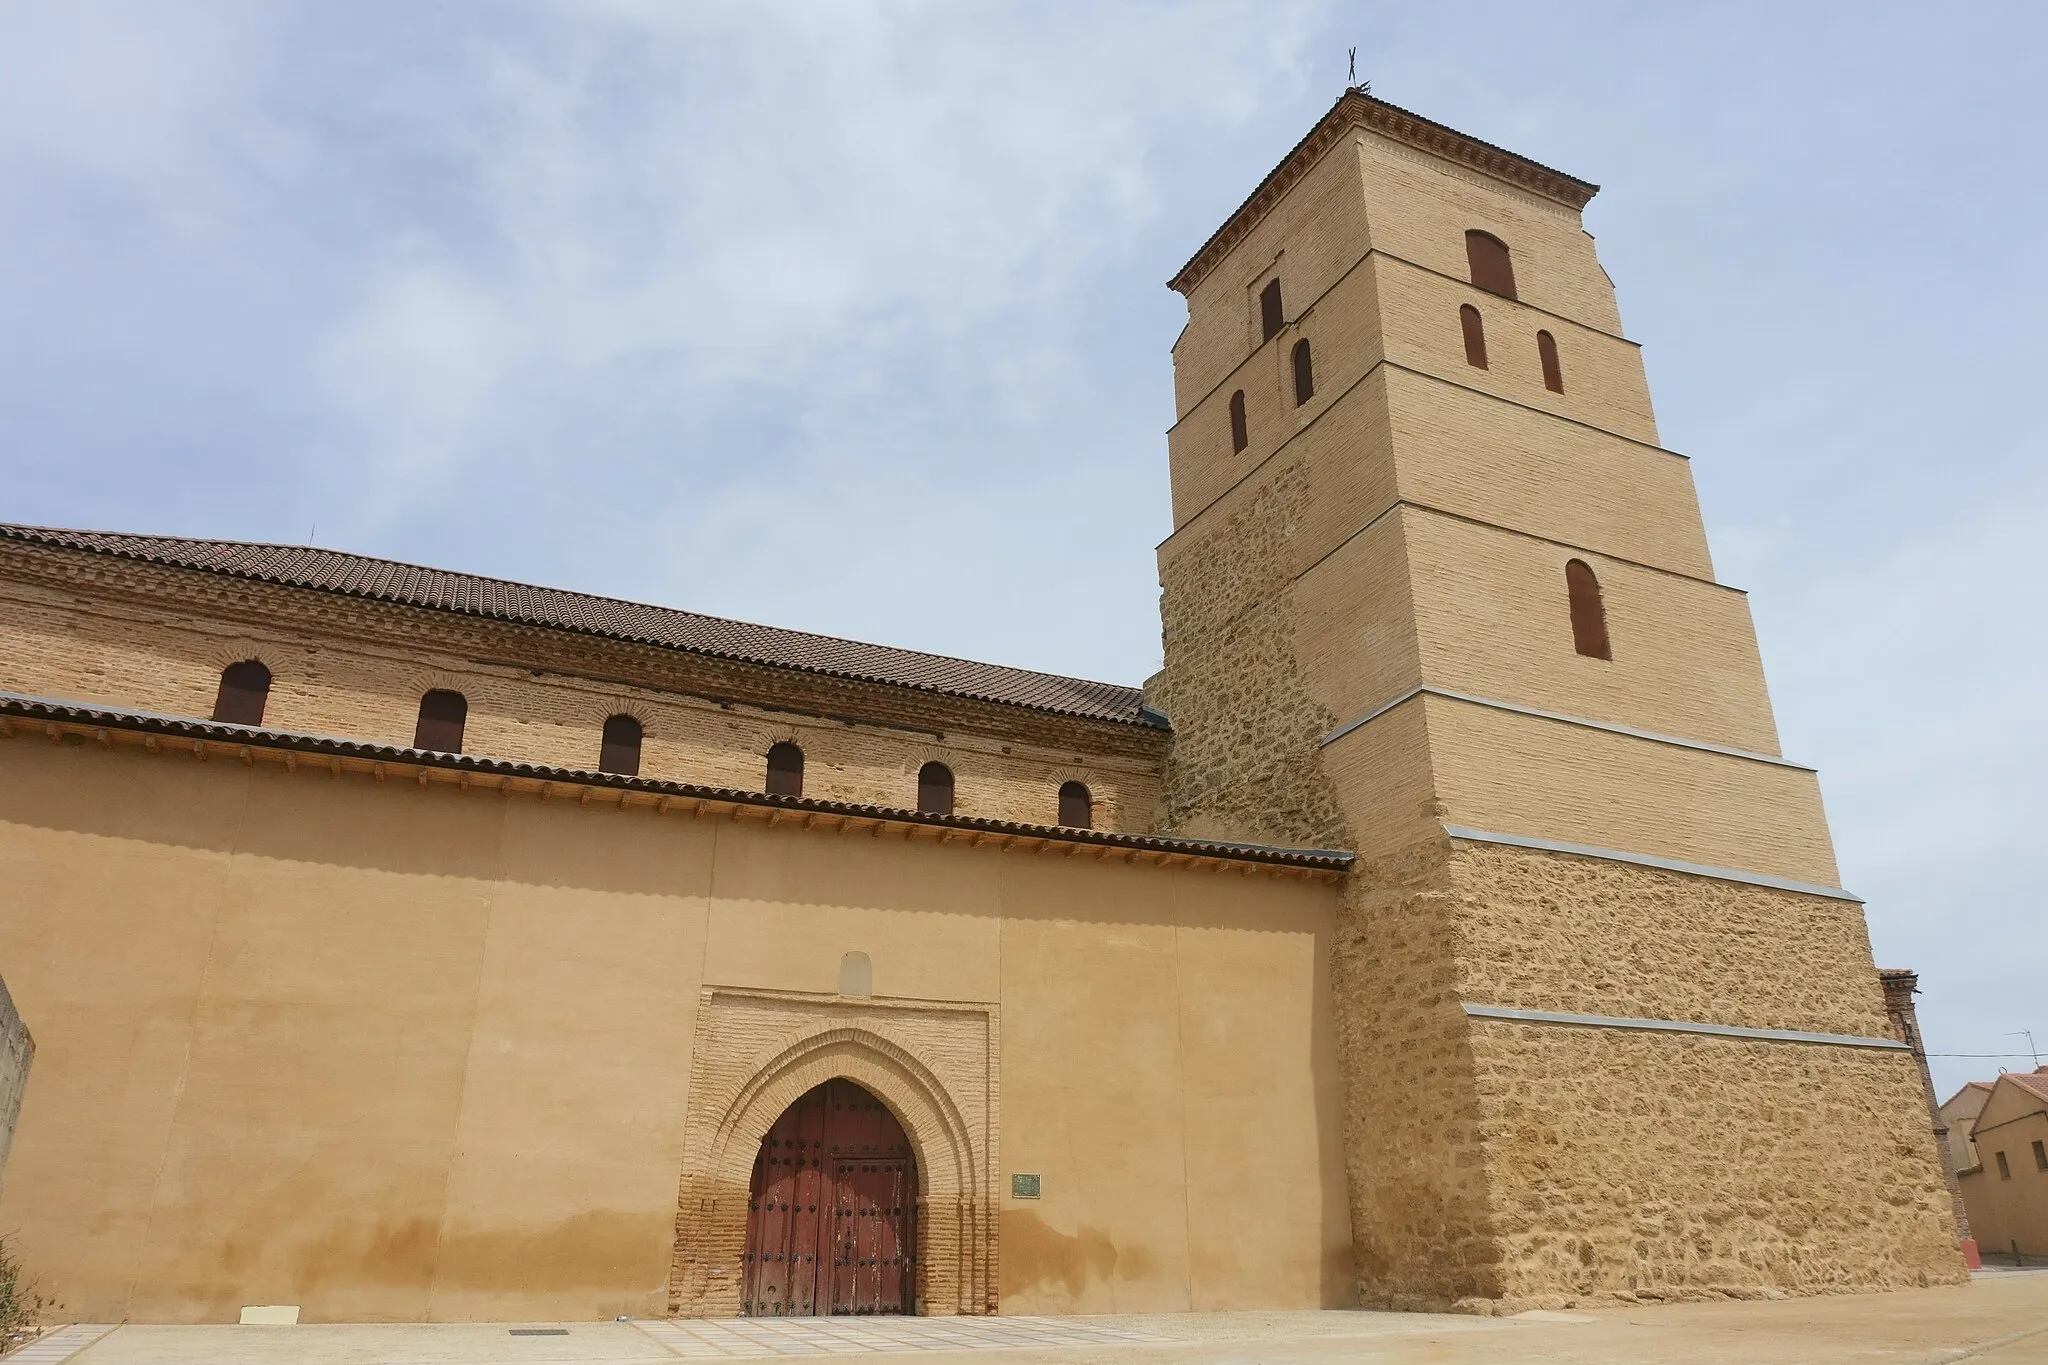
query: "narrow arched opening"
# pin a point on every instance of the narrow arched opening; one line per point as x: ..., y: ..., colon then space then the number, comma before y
x: 443, y: 716
x: 785, y: 770
x: 1493, y: 268
x: 935, y: 789
x: 1589, y: 612
x: 618, y: 751
x: 1077, y: 806
x: 832, y: 1210
x: 244, y: 691
x: 1240, y: 429
x: 1546, y: 356
x: 1304, y: 373
x: 1474, y: 328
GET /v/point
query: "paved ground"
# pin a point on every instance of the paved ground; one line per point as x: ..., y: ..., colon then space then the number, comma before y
x: 2001, y: 1319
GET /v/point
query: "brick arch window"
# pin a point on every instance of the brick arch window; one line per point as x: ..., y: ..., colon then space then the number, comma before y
x: 1589, y: 613
x: 244, y: 688
x: 620, y: 750
x: 935, y: 789
x: 1492, y: 268
x: 1304, y: 373
x: 785, y: 769
x: 1271, y: 320
x: 1240, y: 429
x: 442, y: 716
x: 1475, y: 335
x: 1546, y: 352
x: 1077, y: 806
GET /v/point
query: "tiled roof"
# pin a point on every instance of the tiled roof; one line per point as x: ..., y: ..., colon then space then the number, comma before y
x: 384, y: 580
x: 60, y: 716
x: 2035, y: 1082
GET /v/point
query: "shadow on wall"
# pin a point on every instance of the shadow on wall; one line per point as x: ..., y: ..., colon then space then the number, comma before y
x: 1036, y: 1257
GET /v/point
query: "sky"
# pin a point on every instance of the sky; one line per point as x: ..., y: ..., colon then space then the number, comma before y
x: 852, y: 318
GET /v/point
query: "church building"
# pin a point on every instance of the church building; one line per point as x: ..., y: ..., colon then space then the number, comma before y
x: 1440, y: 928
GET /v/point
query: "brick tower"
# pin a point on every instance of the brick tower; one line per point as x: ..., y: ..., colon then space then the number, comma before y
x: 1608, y: 1025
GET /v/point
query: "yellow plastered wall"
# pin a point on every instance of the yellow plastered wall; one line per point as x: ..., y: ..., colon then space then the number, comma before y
x: 154, y: 657
x: 401, y: 1054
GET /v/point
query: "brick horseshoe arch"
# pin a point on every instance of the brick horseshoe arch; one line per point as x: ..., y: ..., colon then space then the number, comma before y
x: 956, y: 1230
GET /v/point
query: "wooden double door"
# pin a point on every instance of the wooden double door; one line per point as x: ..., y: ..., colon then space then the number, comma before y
x: 832, y: 1211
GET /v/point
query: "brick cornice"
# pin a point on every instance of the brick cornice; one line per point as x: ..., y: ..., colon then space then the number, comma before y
x: 83, y: 723
x: 407, y: 629
x: 1355, y: 109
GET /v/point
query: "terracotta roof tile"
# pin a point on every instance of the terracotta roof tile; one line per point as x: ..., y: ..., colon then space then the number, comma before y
x: 2035, y: 1083
x: 384, y: 580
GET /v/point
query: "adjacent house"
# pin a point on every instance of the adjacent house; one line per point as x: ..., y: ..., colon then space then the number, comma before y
x: 2007, y: 1191
x: 1959, y: 1114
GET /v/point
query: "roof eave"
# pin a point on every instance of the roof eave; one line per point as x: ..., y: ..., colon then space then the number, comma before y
x: 61, y: 716
x: 1353, y: 108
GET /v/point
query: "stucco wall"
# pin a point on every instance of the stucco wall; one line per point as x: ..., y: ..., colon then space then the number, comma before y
x: 393, y: 1052
x: 2009, y: 1210
x: 17, y: 1053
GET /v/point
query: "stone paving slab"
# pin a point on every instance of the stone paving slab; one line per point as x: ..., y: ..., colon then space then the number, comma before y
x: 2000, y: 1320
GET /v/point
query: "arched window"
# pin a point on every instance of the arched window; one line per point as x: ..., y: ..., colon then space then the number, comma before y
x: 442, y: 715
x: 856, y: 974
x: 1475, y: 335
x: 1492, y: 270
x: 1546, y: 351
x: 1270, y: 319
x: 935, y: 789
x: 1304, y: 373
x: 1589, y: 615
x: 1240, y: 430
x: 785, y: 770
x: 1077, y: 807
x: 244, y: 687
x: 620, y: 751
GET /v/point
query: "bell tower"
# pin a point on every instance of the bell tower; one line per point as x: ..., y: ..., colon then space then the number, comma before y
x: 1437, y: 593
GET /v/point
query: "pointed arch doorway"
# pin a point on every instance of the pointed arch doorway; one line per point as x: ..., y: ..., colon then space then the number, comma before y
x: 832, y: 1210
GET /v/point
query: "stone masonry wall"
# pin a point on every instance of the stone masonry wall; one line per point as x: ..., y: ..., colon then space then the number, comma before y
x: 1626, y: 1165
x: 1243, y: 763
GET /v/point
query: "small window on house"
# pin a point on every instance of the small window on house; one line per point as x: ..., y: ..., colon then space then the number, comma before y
x: 2040, y: 1155
x: 1077, y: 807
x: 1270, y: 319
x: 244, y: 688
x: 1492, y: 270
x: 1475, y: 336
x: 620, y: 751
x: 935, y: 789
x: 1304, y: 373
x: 785, y: 770
x: 1240, y: 430
x: 2004, y: 1171
x: 1546, y: 352
x: 856, y: 974
x: 442, y: 714
x: 1589, y: 614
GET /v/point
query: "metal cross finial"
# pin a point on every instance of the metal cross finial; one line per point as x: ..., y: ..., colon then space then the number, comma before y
x: 1351, y: 76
